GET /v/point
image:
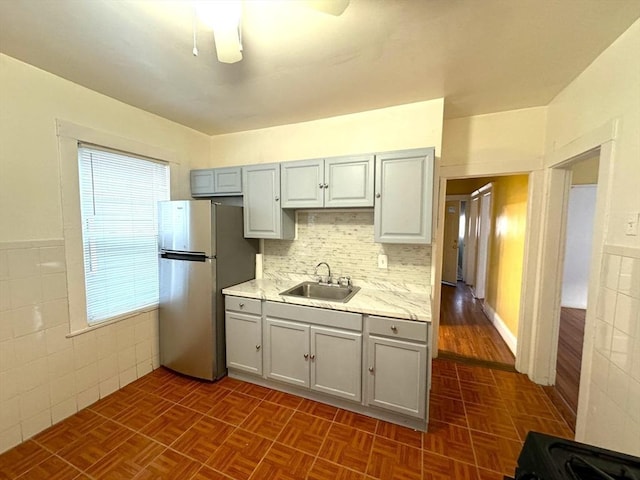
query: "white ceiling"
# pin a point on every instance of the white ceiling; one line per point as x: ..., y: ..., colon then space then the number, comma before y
x: 482, y: 56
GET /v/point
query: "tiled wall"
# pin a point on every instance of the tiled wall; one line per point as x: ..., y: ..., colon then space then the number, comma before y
x: 344, y: 239
x: 614, y: 391
x: 45, y: 376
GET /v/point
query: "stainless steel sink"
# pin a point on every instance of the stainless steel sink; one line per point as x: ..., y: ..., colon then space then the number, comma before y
x: 317, y: 291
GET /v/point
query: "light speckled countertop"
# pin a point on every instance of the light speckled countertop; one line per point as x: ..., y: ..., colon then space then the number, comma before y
x: 398, y: 301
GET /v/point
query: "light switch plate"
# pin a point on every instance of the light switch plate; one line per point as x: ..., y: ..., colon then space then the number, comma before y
x: 631, y: 225
x: 383, y: 261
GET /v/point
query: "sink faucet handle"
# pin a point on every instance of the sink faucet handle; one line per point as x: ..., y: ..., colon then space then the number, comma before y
x: 345, y: 281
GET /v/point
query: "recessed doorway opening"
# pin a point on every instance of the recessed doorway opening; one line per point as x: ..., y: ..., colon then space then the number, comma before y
x: 482, y: 257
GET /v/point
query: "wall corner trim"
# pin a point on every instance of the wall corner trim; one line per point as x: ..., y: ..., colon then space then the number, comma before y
x: 580, y: 145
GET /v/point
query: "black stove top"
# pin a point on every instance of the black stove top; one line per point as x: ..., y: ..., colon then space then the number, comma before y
x: 544, y: 457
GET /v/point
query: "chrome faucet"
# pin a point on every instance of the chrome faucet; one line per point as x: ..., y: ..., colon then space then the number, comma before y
x: 328, y: 271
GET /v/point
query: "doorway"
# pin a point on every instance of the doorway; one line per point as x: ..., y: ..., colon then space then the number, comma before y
x: 472, y: 324
x: 454, y: 253
x: 578, y: 246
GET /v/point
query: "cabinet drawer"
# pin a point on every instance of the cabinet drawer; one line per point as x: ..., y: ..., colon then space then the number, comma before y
x: 241, y: 304
x: 393, y: 327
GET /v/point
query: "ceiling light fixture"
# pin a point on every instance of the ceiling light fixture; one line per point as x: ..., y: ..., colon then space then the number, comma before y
x: 223, y: 17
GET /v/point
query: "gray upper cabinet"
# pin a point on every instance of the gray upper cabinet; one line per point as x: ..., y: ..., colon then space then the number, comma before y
x: 333, y: 182
x: 404, y: 196
x: 263, y: 216
x: 216, y: 181
x: 303, y: 184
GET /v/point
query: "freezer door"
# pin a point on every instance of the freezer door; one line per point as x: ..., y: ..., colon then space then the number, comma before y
x: 187, y: 303
x: 185, y: 226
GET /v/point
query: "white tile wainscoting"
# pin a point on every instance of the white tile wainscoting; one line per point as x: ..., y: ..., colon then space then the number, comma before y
x: 614, y: 391
x: 45, y: 376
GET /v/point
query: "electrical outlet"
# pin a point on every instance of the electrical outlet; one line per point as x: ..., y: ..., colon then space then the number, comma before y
x: 631, y: 225
x: 383, y: 261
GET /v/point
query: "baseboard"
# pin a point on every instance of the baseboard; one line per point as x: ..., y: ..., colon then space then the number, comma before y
x: 508, y: 337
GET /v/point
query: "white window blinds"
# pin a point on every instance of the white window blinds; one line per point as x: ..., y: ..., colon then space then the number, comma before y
x: 118, y: 198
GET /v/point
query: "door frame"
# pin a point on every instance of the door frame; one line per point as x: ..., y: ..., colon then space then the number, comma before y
x: 483, y: 247
x: 556, y: 185
x: 531, y: 167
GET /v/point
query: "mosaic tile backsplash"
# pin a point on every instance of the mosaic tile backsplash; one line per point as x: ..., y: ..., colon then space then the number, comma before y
x: 344, y: 239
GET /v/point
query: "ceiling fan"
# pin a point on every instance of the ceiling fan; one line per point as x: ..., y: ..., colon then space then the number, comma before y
x: 223, y: 17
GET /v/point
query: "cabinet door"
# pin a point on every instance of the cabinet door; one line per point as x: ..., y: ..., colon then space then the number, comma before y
x: 302, y: 184
x: 261, y: 201
x: 202, y: 182
x: 227, y: 180
x: 244, y: 342
x: 404, y: 196
x: 336, y: 366
x: 397, y: 374
x: 287, y: 352
x: 349, y: 182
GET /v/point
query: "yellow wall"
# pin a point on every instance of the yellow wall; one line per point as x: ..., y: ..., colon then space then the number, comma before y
x: 466, y: 186
x: 509, y: 206
x: 32, y: 100
x: 393, y: 128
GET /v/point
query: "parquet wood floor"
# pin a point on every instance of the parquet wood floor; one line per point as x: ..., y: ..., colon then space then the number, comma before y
x: 465, y: 330
x: 569, y: 363
x: 164, y: 426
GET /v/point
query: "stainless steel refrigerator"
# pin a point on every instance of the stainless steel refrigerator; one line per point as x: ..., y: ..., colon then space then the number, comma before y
x: 202, y: 250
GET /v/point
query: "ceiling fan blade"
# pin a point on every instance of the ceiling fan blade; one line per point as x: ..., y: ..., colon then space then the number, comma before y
x: 332, y: 7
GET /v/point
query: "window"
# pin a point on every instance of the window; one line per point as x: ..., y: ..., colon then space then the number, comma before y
x: 118, y: 201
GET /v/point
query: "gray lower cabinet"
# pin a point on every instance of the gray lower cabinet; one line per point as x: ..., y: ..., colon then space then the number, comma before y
x: 339, y: 182
x: 379, y: 365
x: 322, y: 358
x: 336, y: 365
x: 243, y: 331
x: 263, y: 216
x: 216, y: 182
x: 397, y: 365
x: 287, y: 352
x: 404, y: 196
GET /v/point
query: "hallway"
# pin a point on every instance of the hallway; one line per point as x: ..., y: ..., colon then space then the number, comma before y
x: 465, y: 331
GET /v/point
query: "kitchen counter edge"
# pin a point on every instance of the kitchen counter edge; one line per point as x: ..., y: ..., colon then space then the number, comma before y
x: 394, y: 304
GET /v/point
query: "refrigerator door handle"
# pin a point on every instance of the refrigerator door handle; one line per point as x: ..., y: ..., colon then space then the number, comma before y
x: 188, y: 256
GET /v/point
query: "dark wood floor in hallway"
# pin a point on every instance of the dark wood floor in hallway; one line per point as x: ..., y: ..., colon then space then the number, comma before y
x: 564, y: 393
x: 465, y: 331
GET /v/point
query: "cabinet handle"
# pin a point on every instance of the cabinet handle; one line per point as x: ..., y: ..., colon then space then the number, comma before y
x: 277, y: 199
x: 306, y: 355
x: 394, y: 329
x: 378, y: 195
x: 313, y: 357
x: 371, y: 369
x: 257, y: 347
x: 242, y: 305
x: 326, y: 185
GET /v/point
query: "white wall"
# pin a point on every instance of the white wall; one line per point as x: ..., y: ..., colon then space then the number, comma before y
x: 406, y: 126
x: 511, y: 141
x: 575, y: 277
x: 32, y: 100
x: 45, y: 376
x: 609, y: 90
